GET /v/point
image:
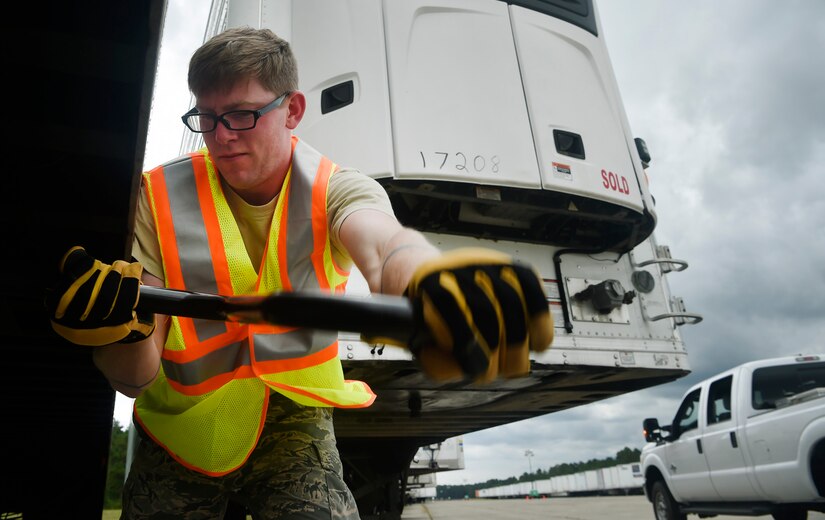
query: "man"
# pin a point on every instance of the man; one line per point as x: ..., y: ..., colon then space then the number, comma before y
x: 231, y: 411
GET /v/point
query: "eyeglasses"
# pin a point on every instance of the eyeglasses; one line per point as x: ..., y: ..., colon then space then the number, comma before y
x: 201, y: 123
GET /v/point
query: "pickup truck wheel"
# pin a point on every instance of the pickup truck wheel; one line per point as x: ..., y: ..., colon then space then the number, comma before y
x: 664, y: 507
x: 790, y: 514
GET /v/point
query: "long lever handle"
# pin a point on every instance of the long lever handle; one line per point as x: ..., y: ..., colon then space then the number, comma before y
x: 375, y: 316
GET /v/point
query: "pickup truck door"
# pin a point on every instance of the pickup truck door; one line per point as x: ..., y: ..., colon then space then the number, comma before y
x: 729, y: 468
x: 685, y: 458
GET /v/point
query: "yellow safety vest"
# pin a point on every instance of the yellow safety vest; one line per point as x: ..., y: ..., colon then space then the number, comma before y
x: 208, y: 405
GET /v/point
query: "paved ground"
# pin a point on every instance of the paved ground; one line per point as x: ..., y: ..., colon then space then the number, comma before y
x: 587, y: 508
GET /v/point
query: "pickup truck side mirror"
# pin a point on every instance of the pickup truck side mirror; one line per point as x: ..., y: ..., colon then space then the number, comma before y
x: 652, y: 431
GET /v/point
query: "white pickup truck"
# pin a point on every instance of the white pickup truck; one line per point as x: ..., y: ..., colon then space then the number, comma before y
x: 748, y: 441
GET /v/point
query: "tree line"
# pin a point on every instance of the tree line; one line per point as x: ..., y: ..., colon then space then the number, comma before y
x: 459, y: 491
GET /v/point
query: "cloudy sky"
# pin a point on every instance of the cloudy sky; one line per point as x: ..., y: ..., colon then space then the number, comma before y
x: 730, y: 98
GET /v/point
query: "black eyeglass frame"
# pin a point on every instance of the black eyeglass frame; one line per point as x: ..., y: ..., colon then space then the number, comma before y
x: 256, y: 114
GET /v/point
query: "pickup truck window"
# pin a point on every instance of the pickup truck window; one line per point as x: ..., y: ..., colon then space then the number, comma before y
x: 687, y: 418
x: 771, y: 384
x: 719, y: 400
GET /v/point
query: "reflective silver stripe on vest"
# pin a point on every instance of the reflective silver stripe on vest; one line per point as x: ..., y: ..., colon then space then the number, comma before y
x: 296, y: 343
x: 192, y: 242
x: 300, y: 244
x: 299, y: 247
x: 221, y: 361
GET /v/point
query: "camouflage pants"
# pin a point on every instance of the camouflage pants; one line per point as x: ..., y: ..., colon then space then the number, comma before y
x: 294, y: 472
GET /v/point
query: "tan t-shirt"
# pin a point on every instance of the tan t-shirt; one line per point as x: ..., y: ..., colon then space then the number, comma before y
x: 349, y: 191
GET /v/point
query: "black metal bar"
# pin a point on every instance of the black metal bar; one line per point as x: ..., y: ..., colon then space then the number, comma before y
x: 374, y: 316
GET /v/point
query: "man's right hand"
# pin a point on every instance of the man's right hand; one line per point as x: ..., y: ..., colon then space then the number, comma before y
x: 93, y: 303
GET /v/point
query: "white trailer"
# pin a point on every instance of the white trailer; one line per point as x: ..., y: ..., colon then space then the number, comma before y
x: 446, y: 455
x: 430, y: 460
x: 495, y: 124
x: 615, y: 480
x: 623, y: 477
x: 421, y: 494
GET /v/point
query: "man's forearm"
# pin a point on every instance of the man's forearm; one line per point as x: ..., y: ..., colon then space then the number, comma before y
x: 130, y: 367
x: 384, y: 251
x: 403, y: 253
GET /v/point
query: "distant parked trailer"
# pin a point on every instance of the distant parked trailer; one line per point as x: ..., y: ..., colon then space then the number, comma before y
x: 623, y: 479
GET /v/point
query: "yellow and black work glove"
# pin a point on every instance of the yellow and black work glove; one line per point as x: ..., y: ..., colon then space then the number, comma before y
x: 93, y: 303
x: 483, y: 313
